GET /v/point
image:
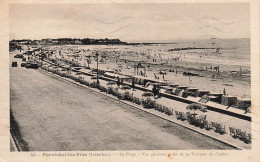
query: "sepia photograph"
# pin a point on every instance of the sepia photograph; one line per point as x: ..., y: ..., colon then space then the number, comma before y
x: 130, y: 76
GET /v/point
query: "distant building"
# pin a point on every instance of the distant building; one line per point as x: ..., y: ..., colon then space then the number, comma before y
x: 65, y: 41
x: 78, y: 42
x: 55, y: 42
x: 47, y: 41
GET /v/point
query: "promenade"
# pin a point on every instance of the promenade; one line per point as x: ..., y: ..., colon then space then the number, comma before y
x: 227, y: 120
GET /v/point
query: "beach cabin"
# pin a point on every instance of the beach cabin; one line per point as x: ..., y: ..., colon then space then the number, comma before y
x: 173, y: 85
x: 215, y: 97
x: 140, y: 80
x: 243, y: 103
x: 149, y: 86
x: 179, y: 90
x: 228, y: 100
x: 192, y: 91
x: 116, y: 76
x: 201, y: 93
x: 166, y: 89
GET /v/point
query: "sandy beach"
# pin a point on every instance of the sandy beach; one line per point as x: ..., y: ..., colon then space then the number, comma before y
x: 232, y: 60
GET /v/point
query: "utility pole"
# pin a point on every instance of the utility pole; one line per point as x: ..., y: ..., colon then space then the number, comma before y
x: 88, y: 60
x: 97, y: 67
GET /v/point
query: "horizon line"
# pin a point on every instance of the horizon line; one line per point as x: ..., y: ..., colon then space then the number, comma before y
x: 132, y: 40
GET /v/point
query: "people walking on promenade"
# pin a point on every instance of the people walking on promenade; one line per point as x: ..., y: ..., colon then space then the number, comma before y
x: 118, y: 81
x: 133, y: 84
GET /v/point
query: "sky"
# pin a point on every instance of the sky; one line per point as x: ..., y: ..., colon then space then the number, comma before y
x: 130, y: 22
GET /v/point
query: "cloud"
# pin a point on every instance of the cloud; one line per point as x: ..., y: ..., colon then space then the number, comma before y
x: 130, y: 21
x: 214, y: 20
x: 113, y: 22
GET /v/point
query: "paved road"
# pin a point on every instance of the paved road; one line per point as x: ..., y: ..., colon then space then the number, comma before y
x: 54, y: 115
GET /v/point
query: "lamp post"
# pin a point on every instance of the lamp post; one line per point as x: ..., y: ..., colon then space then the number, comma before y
x: 88, y: 60
x: 97, y: 67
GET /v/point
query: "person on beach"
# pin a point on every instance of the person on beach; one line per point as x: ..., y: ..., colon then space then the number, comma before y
x: 224, y: 91
x: 122, y: 81
x: 154, y: 90
x: 163, y: 76
x: 158, y: 92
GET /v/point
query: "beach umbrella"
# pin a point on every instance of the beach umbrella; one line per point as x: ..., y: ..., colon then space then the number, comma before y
x: 163, y: 72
